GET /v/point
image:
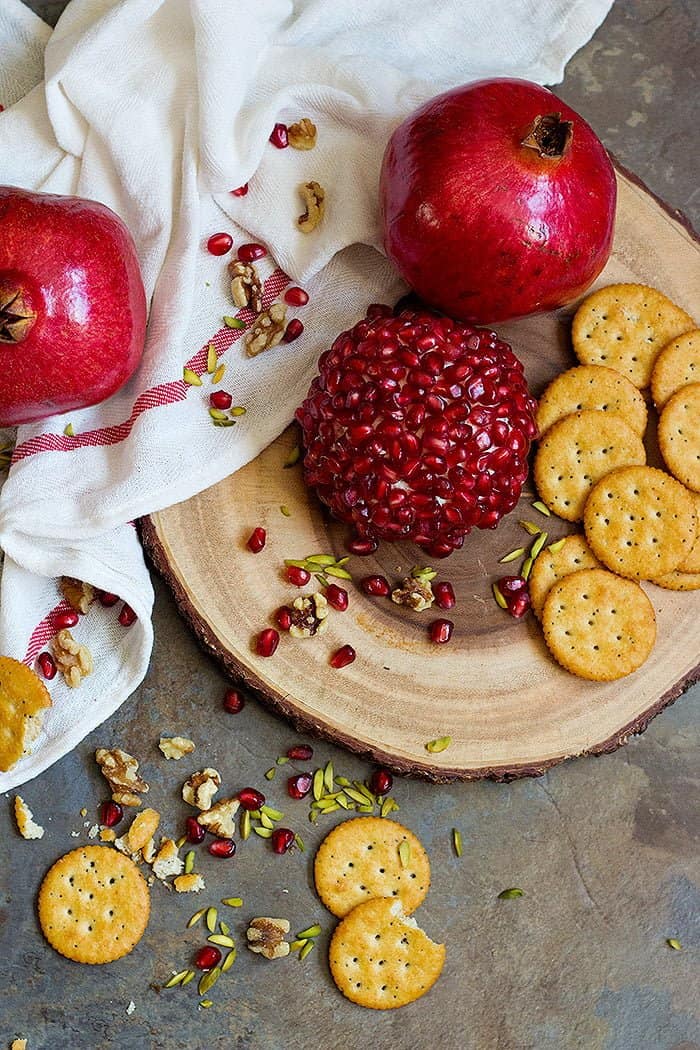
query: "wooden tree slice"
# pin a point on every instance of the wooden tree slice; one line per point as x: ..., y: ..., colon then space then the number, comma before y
x: 510, y: 709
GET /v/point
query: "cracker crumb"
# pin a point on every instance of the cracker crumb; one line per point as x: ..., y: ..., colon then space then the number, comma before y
x: 131, y: 1007
x: 83, y: 812
x: 93, y: 832
x: 19, y: 1044
x: 108, y: 835
x: 166, y: 861
x: 26, y: 824
x: 191, y: 883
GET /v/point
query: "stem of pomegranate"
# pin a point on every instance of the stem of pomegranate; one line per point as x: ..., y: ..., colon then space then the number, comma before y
x: 16, y: 315
x: 549, y: 135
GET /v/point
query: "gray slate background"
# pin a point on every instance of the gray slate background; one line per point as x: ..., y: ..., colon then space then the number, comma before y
x: 606, y: 849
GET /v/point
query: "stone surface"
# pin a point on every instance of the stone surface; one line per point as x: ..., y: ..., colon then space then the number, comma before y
x: 605, y: 850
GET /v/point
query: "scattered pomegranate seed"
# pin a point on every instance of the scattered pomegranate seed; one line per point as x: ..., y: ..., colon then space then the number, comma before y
x: 378, y: 586
x: 279, y: 136
x: 65, y: 619
x: 233, y: 701
x: 441, y: 631
x: 207, y: 957
x: 293, y: 330
x: 283, y: 617
x: 343, y: 656
x: 300, y: 752
x: 47, y: 665
x: 381, y: 782
x: 361, y: 546
x: 107, y: 599
x: 251, y: 252
x: 444, y: 595
x: 250, y: 798
x: 127, y: 616
x: 296, y: 296
x: 300, y: 785
x: 240, y: 191
x: 267, y: 641
x: 516, y: 595
x: 337, y: 597
x: 256, y: 540
x: 194, y: 831
x: 220, y: 399
x: 222, y: 848
x: 111, y: 813
x: 282, y: 840
x: 220, y: 243
x: 297, y: 575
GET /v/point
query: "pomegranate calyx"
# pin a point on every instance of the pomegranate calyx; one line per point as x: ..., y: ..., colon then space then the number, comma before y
x: 549, y: 135
x: 16, y: 316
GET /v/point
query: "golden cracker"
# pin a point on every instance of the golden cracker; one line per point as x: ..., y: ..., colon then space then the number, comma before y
x: 592, y: 387
x: 23, y: 698
x: 679, y: 435
x: 677, y: 365
x: 93, y: 905
x: 679, y: 581
x: 577, y: 452
x: 359, y: 859
x: 640, y: 522
x: 551, y: 566
x: 598, y: 625
x: 691, y: 563
x: 625, y: 327
x: 379, y: 958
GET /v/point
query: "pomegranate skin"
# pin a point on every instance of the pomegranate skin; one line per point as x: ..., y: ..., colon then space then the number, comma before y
x: 483, y: 227
x: 74, y: 265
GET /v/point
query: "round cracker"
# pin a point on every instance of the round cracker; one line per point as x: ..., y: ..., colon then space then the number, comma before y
x: 691, y: 563
x: 640, y: 522
x: 679, y: 435
x: 94, y: 905
x: 625, y: 327
x: 679, y: 581
x: 677, y: 365
x: 23, y: 698
x: 577, y: 452
x: 550, y: 566
x: 380, y: 958
x: 598, y: 625
x: 359, y: 859
x: 592, y: 387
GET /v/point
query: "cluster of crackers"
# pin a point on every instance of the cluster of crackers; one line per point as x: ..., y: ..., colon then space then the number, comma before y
x: 640, y: 522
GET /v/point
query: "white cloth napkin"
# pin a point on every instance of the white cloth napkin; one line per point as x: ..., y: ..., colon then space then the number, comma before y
x: 159, y: 108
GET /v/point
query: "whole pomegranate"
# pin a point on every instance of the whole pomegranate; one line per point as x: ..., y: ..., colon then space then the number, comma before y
x: 72, y: 304
x: 417, y: 427
x: 498, y: 200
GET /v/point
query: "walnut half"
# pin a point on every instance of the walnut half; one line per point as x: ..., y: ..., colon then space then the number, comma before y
x: 201, y: 787
x: 314, y: 197
x: 220, y: 819
x: 415, y: 593
x: 266, y: 937
x: 73, y: 660
x: 309, y: 613
x: 302, y: 135
x: 246, y: 289
x: 79, y: 595
x: 120, y: 771
x: 267, y: 330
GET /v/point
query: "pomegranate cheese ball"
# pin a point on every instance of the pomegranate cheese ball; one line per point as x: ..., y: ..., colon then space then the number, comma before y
x: 417, y: 427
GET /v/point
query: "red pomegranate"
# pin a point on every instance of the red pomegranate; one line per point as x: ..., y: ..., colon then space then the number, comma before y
x: 498, y: 200
x: 72, y: 304
x: 417, y: 427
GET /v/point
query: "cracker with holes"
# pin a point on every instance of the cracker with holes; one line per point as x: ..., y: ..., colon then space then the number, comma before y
x: 577, y: 452
x: 691, y: 563
x: 94, y: 905
x: 677, y: 365
x: 592, y: 387
x: 625, y: 327
x: 640, y: 522
x: 23, y: 700
x: 550, y: 566
x: 598, y: 625
x: 380, y: 958
x: 679, y: 581
x: 370, y: 857
x: 679, y: 435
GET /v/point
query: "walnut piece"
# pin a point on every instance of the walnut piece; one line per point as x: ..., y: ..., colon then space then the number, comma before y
x: 302, y: 135
x: 246, y: 289
x: 120, y: 771
x: 314, y: 197
x: 221, y: 818
x: 26, y: 824
x: 79, y: 595
x: 191, y: 883
x: 266, y: 937
x: 416, y: 593
x: 309, y: 614
x: 175, y: 747
x: 267, y: 330
x: 201, y: 787
x: 73, y: 660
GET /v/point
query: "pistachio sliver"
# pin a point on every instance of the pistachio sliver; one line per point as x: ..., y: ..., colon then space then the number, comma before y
x: 208, y: 980
x: 177, y: 978
x: 438, y: 745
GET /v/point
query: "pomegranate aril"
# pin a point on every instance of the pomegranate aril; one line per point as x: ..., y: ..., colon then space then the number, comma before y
x: 300, y: 752
x: 233, y: 701
x: 381, y: 782
x: 194, y: 831
x: 298, y: 576
x: 360, y: 546
x: 440, y: 631
x: 282, y: 840
x: 283, y: 618
x: 107, y: 599
x: 62, y: 620
x: 219, y: 243
x: 444, y: 595
x: 342, y: 657
x: 220, y: 399
x: 279, y: 136
x: 207, y: 957
x: 47, y: 665
x: 300, y: 785
x: 516, y: 595
x: 296, y: 296
x: 256, y: 540
x: 240, y: 191
x: 251, y: 798
x: 267, y: 641
x: 293, y: 330
x: 127, y: 616
x: 251, y: 252
x: 111, y: 813
x: 337, y: 597
x: 222, y: 848
x: 377, y: 586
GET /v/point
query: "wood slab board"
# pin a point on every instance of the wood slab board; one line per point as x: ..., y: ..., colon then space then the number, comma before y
x: 510, y: 709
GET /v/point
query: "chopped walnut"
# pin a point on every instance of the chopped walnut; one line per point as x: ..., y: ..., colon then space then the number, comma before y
x: 314, y: 197
x: 267, y: 330
x: 302, y: 135
x: 266, y: 937
x: 73, y: 660
x: 201, y: 787
x: 416, y: 593
x: 79, y: 595
x: 120, y: 771
x: 309, y: 614
x: 175, y: 747
x: 221, y: 818
x: 246, y: 289
x: 191, y: 883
